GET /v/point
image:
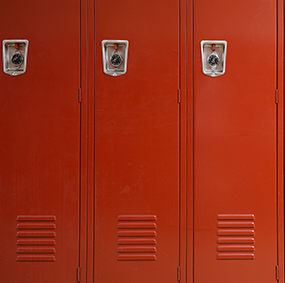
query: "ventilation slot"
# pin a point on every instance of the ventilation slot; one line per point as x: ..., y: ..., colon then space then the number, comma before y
x: 136, y: 237
x: 235, y: 236
x: 35, y: 238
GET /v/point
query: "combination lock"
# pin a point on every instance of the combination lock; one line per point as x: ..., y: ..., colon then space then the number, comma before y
x: 213, y: 60
x: 15, y: 53
x: 116, y: 60
x: 17, y: 59
x: 213, y: 57
x: 115, y: 57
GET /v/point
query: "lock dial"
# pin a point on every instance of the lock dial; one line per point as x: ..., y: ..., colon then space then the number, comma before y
x: 116, y: 60
x: 17, y: 59
x: 213, y: 60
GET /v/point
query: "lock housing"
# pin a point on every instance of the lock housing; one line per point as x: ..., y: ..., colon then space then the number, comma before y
x: 115, y: 57
x: 15, y: 53
x: 213, y: 54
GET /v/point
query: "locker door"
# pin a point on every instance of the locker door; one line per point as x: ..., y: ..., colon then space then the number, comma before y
x: 39, y: 136
x: 136, y: 144
x: 235, y: 232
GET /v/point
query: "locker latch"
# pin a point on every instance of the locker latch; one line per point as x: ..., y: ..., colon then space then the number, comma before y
x: 115, y: 57
x: 213, y: 57
x: 15, y: 56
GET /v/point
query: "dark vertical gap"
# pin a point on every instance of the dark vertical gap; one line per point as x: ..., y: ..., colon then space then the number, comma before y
x: 87, y: 140
x: 94, y: 135
x: 179, y: 106
x: 277, y: 134
x: 283, y: 115
x: 186, y: 151
x: 80, y: 127
x: 193, y: 69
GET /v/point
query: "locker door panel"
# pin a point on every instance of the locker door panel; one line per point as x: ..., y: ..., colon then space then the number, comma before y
x: 235, y: 145
x: 136, y: 145
x: 39, y: 135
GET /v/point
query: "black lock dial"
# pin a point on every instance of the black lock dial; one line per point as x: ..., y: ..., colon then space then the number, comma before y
x: 116, y: 60
x: 213, y: 60
x: 17, y: 59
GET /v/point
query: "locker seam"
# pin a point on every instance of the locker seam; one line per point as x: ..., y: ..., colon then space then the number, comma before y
x: 87, y: 140
x: 186, y: 149
x: 193, y: 140
x: 80, y: 135
x: 277, y: 135
x: 179, y: 134
x: 94, y: 135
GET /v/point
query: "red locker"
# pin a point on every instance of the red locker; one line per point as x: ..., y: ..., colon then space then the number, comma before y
x: 143, y: 142
x: 40, y: 134
x: 137, y: 145
x: 235, y: 145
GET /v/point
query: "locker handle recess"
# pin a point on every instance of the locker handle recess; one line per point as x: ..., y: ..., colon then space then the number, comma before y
x: 15, y: 52
x: 115, y: 57
x: 213, y: 54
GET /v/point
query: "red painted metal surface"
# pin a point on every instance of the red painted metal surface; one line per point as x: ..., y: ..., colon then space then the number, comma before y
x: 235, y: 151
x: 40, y: 133
x: 137, y: 145
x: 130, y: 145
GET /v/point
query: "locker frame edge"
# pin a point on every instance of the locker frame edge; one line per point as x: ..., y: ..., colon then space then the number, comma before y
x: 280, y: 141
x: 185, y: 227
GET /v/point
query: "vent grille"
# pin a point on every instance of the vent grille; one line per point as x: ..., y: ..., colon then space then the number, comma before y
x: 136, y: 237
x: 235, y: 236
x: 35, y: 238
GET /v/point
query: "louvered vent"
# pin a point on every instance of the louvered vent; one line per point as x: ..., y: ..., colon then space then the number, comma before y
x: 136, y: 237
x: 235, y: 236
x: 36, y: 238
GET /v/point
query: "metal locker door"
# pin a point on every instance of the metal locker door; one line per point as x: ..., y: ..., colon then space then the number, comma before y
x: 235, y: 232
x: 137, y: 142
x: 40, y: 124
